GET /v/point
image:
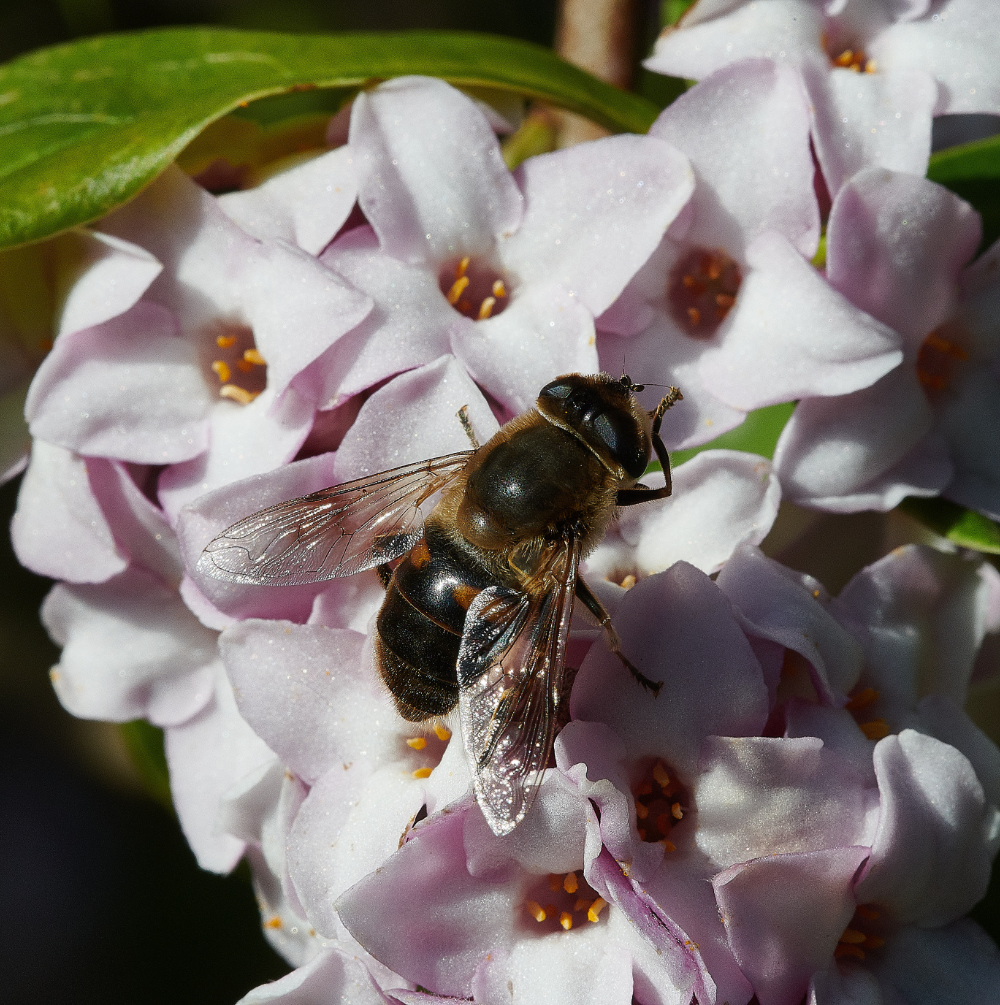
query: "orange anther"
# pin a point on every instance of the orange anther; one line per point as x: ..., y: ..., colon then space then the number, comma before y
x: 862, y: 699
x: 535, y: 910
x: 676, y: 812
x: 566, y: 920
x: 571, y: 884
x: 221, y: 369
x: 877, y: 729
x: 225, y: 341
x: 457, y: 289
x: 416, y: 742
x: 594, y: 911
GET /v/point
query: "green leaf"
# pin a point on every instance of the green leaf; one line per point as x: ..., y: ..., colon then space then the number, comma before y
x: 972, y: 171
x: 757, y: 434
x: 85, y: 126
x: 964, y: 527
x: 145, y: 745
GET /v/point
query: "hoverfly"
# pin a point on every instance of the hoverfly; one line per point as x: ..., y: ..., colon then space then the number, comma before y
x: 477, y: 607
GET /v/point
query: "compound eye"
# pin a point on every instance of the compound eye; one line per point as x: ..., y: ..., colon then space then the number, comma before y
x: 623, y: 443
x: 557, y: 389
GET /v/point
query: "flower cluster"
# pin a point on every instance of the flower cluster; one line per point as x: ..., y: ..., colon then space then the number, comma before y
x: 805, y: 811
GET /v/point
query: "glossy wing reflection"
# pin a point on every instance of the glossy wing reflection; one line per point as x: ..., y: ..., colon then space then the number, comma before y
x: 510, y: 670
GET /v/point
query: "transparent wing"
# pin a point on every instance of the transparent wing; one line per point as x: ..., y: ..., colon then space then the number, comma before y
x: 331, y: 533
x: 510, y: 670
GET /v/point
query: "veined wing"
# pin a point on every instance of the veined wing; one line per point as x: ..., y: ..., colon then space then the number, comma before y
x: 331, y: 533
x: 510, y: 670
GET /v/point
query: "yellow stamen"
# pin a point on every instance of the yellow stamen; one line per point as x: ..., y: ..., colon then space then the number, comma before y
x: 244, y: 365
x: 499, y: 290
x: 461, y: 268
x: 660, y: 775
x: 416, y: 742
x: 845, y: 58
x: 862, y: 699
x: 442, y: 732
x: 457, y: 289
x: 676, y: 812
x: 628, y: 582
x: 845, y: 950
x: 641, y: 811
x: 535, y: 910
x: 555, y: 881
x: 594, y: 911
x: 571, y: 884
x: 694, y: 315
x: 566, y: 920
x: 877, y: 729
x: 581, y: 904
x: 225, y: 341
x: 852, y: 936
x: 663, y: 824
x: 422, y: 773
x: 221, y: 369
x: 253, y: 356
x: 486, y: 308
x: 668, y: 845
x: 237, y: 394
x: 274, y: 922
x: 871, y: 66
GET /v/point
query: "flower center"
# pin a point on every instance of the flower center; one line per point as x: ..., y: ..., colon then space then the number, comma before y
x: 563, y: 901
x: 660, y: 804
x: 936, y: 360
x: 859, y: 935
x: 847, y: 58
x: 859, y: 706
x: 430, y: 748
x: 702, y: 289
x: 474, y: 289
x: 239, y: 367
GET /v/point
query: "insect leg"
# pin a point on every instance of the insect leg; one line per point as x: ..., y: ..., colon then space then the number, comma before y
x: 641, y: 494
x: 596, y: 608
x: 384, y: 574
x: 463, y: 417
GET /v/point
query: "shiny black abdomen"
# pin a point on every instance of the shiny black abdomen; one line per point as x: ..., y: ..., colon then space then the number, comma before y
x: 530, y: 483
x: 420, y: 626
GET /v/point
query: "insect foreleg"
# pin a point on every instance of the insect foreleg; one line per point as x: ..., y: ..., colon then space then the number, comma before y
x: 596, y: 608
x: 384, y: 574
x: 641, y: 494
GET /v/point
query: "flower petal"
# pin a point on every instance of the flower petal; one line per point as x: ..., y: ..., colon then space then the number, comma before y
x: 594, y: 213
x: 864, y: 119
x: 785, y: 914
x: 245, y: 440
x: 59, y: 529
x: 130, y: 650
x: 866, y: 450
x: 930, y: 862
x: 412, y: 418
x: 545, y: 332
x: 895, y: 247
x: 431, y: 177
x: 778, y: 604
x: 127, y: 389
x: 111, y: 275
x: 332, y: 976
x: 703, y: 633
x: 746, y: 128
x: 722, y: 500
x: 408, y: 326
x: 760, y: 796
x: 791, y: 336
x: 306, y: 204
x: 207, y: 756
x: 310, y: 693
